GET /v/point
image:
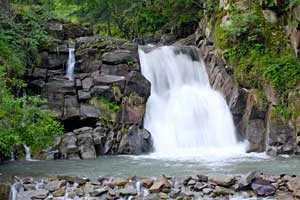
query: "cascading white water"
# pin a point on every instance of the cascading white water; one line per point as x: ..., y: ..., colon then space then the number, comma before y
x: 184, y: 114
x: 71, y: 64
x: 27, y: 153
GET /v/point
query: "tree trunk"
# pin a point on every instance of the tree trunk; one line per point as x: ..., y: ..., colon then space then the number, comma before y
x: 4, y: 7
x: 108, y: 28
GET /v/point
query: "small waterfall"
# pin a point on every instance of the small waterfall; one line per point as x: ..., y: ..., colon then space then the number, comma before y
x: 12, y: 156
x: 13, y: 192
x: 184, y: 114
x: 71, y: 64
x: 27, y: 153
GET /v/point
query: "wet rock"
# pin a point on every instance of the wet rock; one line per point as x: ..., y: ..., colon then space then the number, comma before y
x: 186, y: 180
x: 100, y: 191
x: 55, y: 185
x: 136, y: 141
x: 146, y: 182
x: 207, y: 191
x: 284, y: 197
x: 128, y: 191
x: 162, y: 195
x: 222, y: 191
x: 60, y: 192
x: 68, y: 145
x: 223, y: 181
x: 191, y: 182
x: 32, y: 194
x: 263, y: 187
x: 245, y: 181
x: 202, y: 178
x: 296, y: 194
x: 294, y: 184
x: 137, y: 83
x: 199, y: 186
x: 157, y: 186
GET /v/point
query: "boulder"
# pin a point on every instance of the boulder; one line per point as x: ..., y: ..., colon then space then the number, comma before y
x: 109, y: 80
x: 137, y: 83
x: 68, y: 145
x: 87, y: 83
x: 86, y: 148
x: 294, y: 184
x: 281, y: 138
x: 55, y: 185
x: 132, y: 110
x: 263, y: 187
x: 32, y: 194
x: 89, y: 112
x: 223, y: 181
x: 118, y: 57
x: 136, y: 141
x: 117, y: 70
x: 71, y: 108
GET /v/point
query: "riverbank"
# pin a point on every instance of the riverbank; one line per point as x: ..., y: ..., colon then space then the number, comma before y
x: 253, y: 185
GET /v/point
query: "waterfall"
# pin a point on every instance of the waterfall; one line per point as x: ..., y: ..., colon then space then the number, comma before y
x: 12, y: 156
x: 13, y: 191
x: 183, y: 113
x: 71, y: 64
x: 27, y: 153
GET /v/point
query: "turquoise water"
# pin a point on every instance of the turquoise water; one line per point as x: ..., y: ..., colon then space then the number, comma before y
x: 149, y: 166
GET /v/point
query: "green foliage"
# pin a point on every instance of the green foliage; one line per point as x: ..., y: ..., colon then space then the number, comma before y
x: 25, y: 31
x: 283, y: 110
x: 105, y: 105
x: 23, y: 122
x: 258, y: 52
x: 131, y: 18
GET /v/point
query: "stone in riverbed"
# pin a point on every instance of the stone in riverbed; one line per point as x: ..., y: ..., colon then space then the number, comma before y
x: 157, y: 186
x: 128, y: 191
x: 222, y: 191
x: 32, y: 194
x: 294, y: 184
x: 202, y: 178
x: 263, y: 187
x: 60, y: 192
x: 224, y: 181
x: 99, y: 191
x: 162, y: 195
x: 296, y: 194
x: 207, y: 191
x: 55, y: 185
x: 146, y: 182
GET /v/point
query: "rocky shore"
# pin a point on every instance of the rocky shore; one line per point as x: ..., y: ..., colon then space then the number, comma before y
x: 253, y: 185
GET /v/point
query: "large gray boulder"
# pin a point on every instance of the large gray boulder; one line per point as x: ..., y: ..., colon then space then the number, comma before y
x: 137, y: 83
x: 118, y: 57
x: 132, y: 110
x: 136, y: 141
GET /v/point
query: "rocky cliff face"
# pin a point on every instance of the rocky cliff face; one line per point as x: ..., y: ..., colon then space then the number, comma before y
x: 107, y: 96
x: 254, y: 109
